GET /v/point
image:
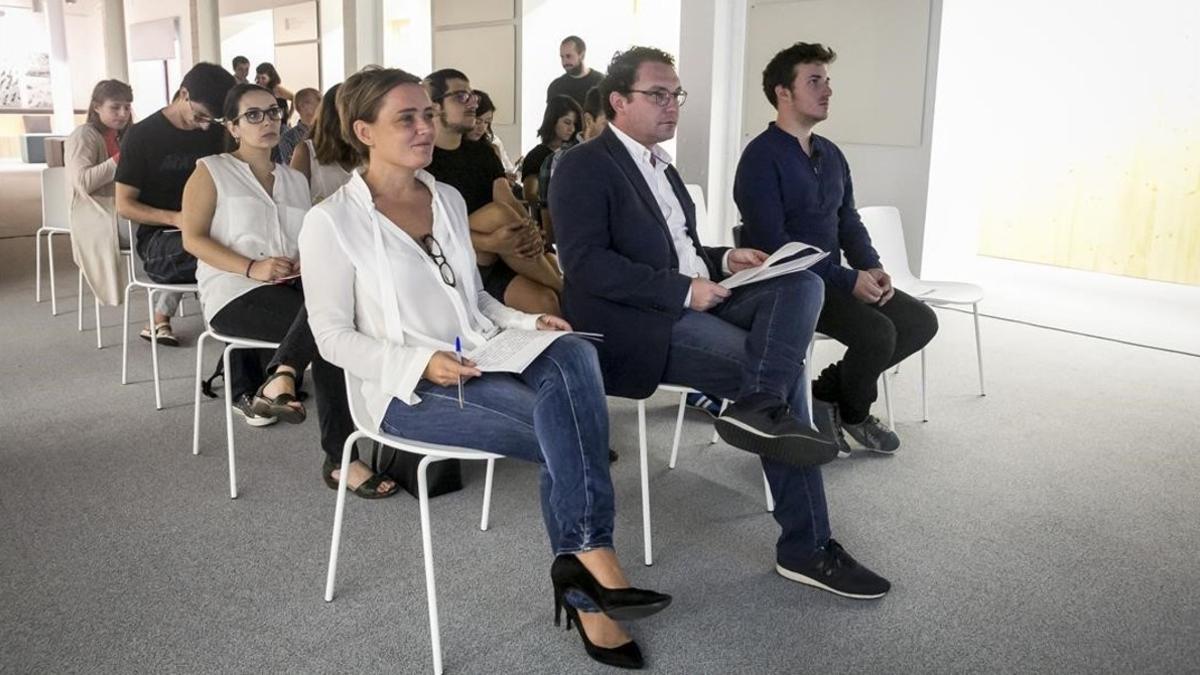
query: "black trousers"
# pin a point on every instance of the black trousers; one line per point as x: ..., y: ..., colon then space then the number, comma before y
x: 276, y: 313
x: 163, y: 256
x: 876, y: 339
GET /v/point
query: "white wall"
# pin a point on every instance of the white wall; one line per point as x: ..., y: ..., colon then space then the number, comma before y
x: 138, y: 11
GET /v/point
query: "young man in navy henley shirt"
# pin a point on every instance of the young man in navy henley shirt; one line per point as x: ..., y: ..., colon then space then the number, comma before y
x: 793, y: 185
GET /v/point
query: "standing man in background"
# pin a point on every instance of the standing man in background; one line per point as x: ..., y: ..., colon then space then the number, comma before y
x: 578, y: 78
x: 793, y: 185
x: 241, y: 69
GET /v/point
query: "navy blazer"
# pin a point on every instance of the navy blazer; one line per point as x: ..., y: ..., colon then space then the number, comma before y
x: 621, y: 271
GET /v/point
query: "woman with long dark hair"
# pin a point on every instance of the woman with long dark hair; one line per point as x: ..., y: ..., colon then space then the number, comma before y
x: 242, y: 215
x: 90, y: 154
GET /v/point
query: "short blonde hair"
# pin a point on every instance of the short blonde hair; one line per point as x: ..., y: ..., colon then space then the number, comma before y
x: 361, y: 96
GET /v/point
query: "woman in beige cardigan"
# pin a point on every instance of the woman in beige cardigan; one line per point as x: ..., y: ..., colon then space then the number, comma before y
x: 91, y: 155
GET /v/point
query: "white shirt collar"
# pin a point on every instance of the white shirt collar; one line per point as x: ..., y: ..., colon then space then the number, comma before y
x: 359, y: 189
x: 639, y: 152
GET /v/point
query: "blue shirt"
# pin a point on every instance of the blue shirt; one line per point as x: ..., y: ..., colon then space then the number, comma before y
x: 786, y: 195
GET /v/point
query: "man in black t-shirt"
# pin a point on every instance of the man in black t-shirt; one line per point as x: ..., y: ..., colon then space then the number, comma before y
x: 578, y: 78
x: 509, y: 248
x: 158, y: 156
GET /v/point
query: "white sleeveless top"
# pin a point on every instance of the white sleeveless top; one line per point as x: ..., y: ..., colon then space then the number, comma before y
x: 250, y: 222
x: 326, y: 178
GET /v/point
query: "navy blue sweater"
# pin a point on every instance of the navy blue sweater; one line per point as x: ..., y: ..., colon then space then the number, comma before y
x: 785, y: 195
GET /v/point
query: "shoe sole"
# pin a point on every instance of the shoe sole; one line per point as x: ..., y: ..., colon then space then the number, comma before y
x: 637, y: 611
x: 291, y: 415
x: 807, y: 581
x: 165, y: 342
x: 795, y: 450
x: 255, y: 421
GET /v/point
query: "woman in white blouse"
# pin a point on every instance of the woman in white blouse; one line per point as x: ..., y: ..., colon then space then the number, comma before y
x: 325, y: 158
x: 392, y: 283
x: 242, y: 215
x: 91, y: 155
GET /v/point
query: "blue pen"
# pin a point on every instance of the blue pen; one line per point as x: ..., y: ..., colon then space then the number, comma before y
x: 458, y: 353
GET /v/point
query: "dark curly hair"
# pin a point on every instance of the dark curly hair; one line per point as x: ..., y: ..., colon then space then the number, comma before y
x: 622, y: 72
x: 556, y: 109
x: 781, y: 70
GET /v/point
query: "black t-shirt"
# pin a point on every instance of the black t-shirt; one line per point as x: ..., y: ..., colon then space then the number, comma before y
x: 575, y: 87
x: 533, y: 161
x: 157, y: 158
x: 471, y: 169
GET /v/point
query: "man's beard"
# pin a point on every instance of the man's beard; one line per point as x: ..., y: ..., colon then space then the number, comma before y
x: 574, y: 71
x: 460, y: 128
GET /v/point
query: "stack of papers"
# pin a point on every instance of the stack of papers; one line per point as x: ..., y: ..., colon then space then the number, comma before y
x: 514, y: 349
x: 792, y: 257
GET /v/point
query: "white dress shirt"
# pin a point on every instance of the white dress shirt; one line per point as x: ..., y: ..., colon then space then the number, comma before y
x: 377, y: 305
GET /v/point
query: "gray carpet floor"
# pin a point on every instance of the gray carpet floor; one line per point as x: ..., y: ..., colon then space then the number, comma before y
x: 1052, y: 526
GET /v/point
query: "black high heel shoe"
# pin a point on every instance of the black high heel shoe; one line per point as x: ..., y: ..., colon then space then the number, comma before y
x: 620, y: 604
x: 628, y: 655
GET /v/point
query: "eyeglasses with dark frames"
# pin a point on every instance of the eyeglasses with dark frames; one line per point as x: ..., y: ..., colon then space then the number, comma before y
x: 257, y: 115
x: 662, y: 97
x: 434, y: 249
x: 463, y: 96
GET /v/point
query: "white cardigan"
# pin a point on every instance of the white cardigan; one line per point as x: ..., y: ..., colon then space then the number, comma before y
x: 377, y: 305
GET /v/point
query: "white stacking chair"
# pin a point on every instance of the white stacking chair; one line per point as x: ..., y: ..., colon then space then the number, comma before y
x: 125, y: 253
x: 643, y: 460
x: 887, y: 234
x: 231, y: 344
x: 55, y: 220
x: 137, y: 279
x: 430, y: 453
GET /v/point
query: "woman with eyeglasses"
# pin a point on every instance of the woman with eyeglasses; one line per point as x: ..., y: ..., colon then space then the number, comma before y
x: 268, y: 78
x: 393, y: 285
x: 485, y: 112
x: 242, y: 215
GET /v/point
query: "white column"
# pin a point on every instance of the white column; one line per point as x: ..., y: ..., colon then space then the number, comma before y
x: 63, y: 121
x: 363, y: 26
x: 116, y: 55
x: 207, y: 31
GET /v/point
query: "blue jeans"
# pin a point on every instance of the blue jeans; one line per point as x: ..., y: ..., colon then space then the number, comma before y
x: 755, y: 343
x: 554, y: 414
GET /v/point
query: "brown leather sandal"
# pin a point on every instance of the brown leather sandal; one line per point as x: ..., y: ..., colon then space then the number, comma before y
x: 278, y: 407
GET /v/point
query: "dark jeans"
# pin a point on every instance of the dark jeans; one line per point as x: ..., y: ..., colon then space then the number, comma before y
x: 163, y: 257
x: 276, y: 313
x: 554, y: 414
x: 876, y: 339
x: 755, y: 342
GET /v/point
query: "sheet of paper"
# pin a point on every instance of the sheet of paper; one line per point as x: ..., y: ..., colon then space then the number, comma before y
x: 774, y: 267
x: 513, y: 350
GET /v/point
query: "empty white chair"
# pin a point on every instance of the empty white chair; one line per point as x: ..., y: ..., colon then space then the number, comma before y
x: 430, y: 453
x: 887, y: 234
x: 231, y: 344
x: 137, y: 279
x: 55, y: 220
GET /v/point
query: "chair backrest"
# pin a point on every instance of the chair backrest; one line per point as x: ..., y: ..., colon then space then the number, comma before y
x: 356, y: 402
x: 697, y: 195
x: 136, y: 267
x: 56, y: 210
x: 887, y: 235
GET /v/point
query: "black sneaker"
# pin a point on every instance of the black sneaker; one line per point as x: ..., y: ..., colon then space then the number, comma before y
x: 873, y: 435
x: 766, y: 427
x: 833, y: 570
x: 243, y: 405
x: 829, y: 422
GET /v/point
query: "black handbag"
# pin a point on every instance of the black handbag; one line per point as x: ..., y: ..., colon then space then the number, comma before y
x: 444, y: 476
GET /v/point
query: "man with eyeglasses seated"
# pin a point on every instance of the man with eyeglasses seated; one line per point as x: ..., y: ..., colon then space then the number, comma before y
x: 637, y: 272
x: 510, y: 250
x: 158, y: 156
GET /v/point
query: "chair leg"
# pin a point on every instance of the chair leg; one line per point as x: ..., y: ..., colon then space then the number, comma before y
x: 770, y: 497
x: 887, y: 400
x: 79, y: 303
x: 154, y: 348
x: 125, y: 338
x: 806, y: 375
x: 338, y: 512
x: 196, y: 407
x: 53, y: 292
x: 435, y: 637
x: 924, y: 391
x: 716, y: 437
x: 37, y: 246
x: 96, y: 306
x: 645, y: 476
x: 978, y: 347
x: 678, y: 431
x: 229, y: 425
x: 487, y: 495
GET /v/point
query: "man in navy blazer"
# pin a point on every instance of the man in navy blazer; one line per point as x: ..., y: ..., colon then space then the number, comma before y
x: 635, y: 270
